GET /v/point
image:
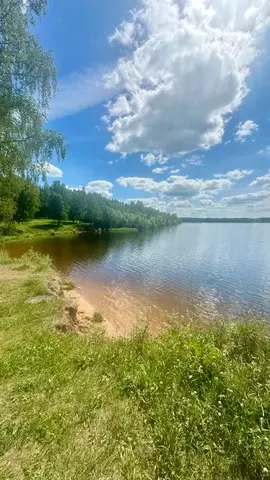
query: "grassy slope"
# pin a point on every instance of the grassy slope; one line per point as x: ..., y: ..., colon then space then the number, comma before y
x: 45, y: 227
x: 192, y: 404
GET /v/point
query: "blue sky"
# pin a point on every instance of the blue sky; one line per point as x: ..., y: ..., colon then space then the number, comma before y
x: 164, y: 100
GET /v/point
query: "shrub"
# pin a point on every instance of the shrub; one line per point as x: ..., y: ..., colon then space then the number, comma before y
x: 97, y: 318
x: 9, y: 229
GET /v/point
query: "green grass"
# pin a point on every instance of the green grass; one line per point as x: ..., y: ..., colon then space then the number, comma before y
x: 43, y: 227
x: 191, y: 404
x: 46, y: 227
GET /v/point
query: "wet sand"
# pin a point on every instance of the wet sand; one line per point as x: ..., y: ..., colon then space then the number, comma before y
x: 124, y: 310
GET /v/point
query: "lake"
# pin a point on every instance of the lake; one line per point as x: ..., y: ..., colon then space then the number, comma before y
x: 207, y: 268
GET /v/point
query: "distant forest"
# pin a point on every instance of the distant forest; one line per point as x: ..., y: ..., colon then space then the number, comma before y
x: 60, y: 203
x: 225, y: 220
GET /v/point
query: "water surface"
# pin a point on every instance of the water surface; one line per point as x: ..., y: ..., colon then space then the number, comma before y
x: 209, y: 268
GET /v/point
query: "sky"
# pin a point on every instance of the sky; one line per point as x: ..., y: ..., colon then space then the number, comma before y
x: 164, y: 101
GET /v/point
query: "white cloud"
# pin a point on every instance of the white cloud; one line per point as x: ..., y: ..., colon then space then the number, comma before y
x: 124, y: 34
x: 150, y: 159
x: 100, y: 186
x: 77, y: 92
x: 234, y: 206
x: 175, y: 170
x: 206, y: 201
x: 160, y: 170
x: 261, y: 181
x: 245, y: 129
x: 186, y: 73
x: 234, y: 174
x: 195, y: 160
x: 176, y: 186
x: 265, y: 151
x: 246, y: 198
x: 52, y: 171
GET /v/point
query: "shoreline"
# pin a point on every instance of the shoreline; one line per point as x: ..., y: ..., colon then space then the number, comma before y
x: 88, y: 397
x: 45, y: 228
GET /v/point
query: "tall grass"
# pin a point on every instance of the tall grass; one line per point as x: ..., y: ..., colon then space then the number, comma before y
x: 191, y: 404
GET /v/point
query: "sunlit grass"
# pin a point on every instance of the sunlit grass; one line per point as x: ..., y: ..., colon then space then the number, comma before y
x: 191, y: 404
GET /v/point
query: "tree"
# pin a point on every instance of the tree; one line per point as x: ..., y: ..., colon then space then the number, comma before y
x: 44, y: 202
x: 9, y: 191
x: 27, y: 82
x: 77, y: 209
x: 57, y: 209
x: 28, y: 202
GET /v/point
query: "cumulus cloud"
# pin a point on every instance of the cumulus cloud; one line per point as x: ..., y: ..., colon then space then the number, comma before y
x: 124, y: 34
x: 261, y: 181
x: 77, y: 92
x: 184, y: 73
x: 100, y: 186
x: 176, y: 170
x: 245, y: 129
x: 160, y: 170
x: 52, y: 171
x: 234, y: 174
x: 150, y: 159
x: 246, y: 198
x: 176, y: 186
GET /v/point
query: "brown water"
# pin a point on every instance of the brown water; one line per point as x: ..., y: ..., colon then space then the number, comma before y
x: 208, y: 268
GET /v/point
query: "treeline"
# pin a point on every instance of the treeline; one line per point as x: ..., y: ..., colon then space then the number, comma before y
x: 60, y: 203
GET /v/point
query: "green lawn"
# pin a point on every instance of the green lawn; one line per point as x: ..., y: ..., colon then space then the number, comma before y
x: 192, y: 404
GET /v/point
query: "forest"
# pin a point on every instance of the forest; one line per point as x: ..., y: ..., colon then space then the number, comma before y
x: 60, y: 203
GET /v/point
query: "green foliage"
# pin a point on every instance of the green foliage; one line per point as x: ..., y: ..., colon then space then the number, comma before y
x: 9, y: 229
x: 57, y: 209
x: 191, y: 404
x: 102, y: 213
x: 27, y: 82
x: 28, y: 202
x: 60, y: 203
x: 9, y: 191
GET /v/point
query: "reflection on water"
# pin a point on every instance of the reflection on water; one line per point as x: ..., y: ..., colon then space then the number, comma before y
x: 211, y: 268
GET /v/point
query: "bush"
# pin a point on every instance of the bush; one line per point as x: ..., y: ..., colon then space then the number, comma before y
x: 97, y: 318
x: 10, y: 229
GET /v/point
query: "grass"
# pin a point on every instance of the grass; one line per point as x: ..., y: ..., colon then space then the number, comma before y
x: 191, y: 404
x: 46, y: 227
x: 43, y: 227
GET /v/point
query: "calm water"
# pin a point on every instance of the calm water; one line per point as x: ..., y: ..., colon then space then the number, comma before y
x: 212, y: 268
